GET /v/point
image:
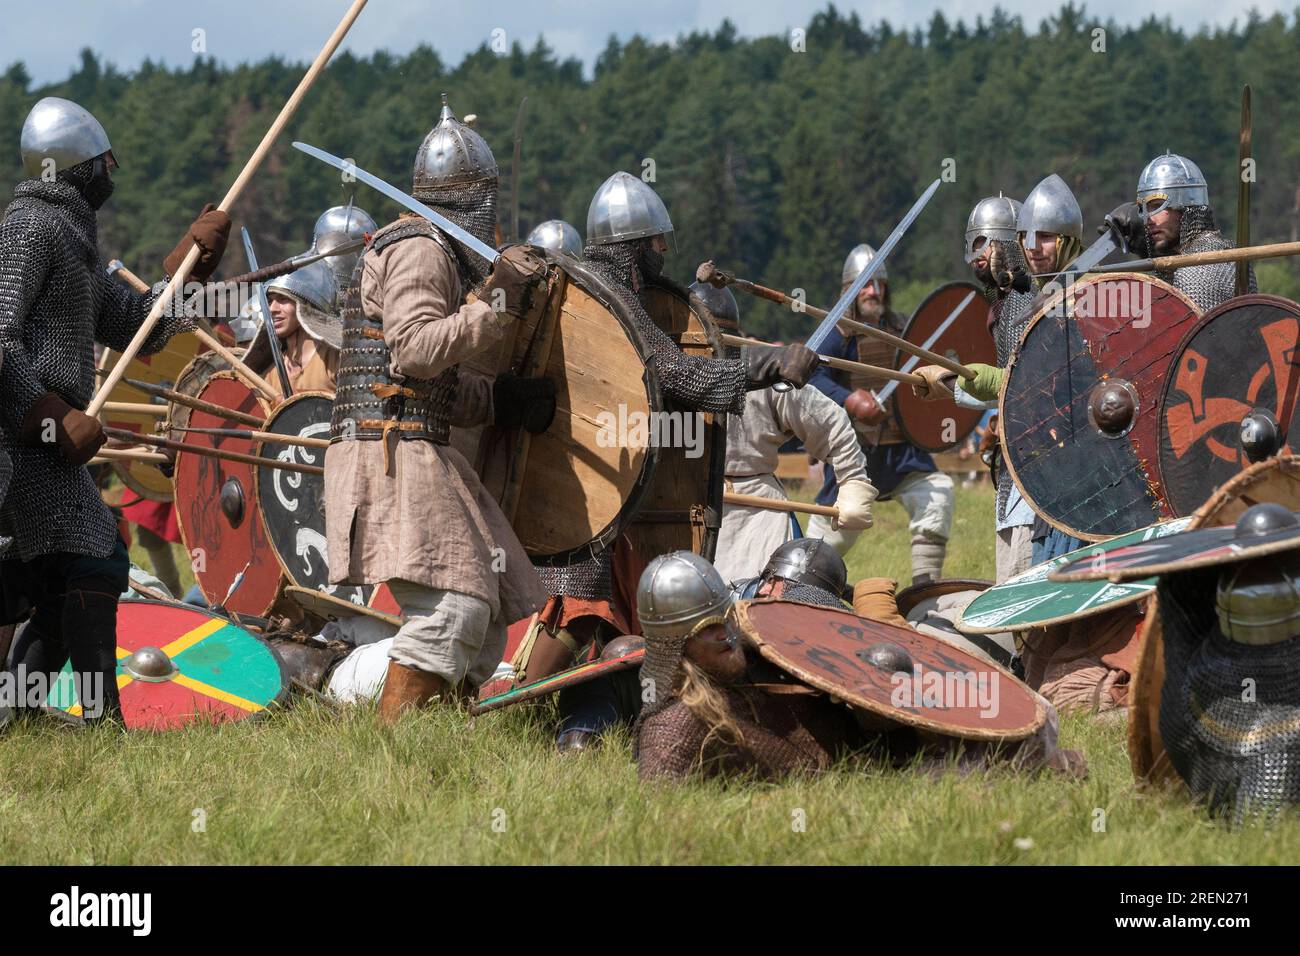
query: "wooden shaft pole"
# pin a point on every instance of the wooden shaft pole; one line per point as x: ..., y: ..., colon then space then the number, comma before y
x: 298, y: 440
x: 136, y: 408
x: 178, y: 280
x: 775, y: 504
x: 196, y: 403
x: 212, y: 452
x: 127, y: 454
x: 908, y: 378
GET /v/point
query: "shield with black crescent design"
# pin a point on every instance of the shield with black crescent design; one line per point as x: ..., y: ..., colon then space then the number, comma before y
x: 1275, y: 481
x: 893, y: 672
x: 1031, y: 599
x: 178, y: 665
x: 572, y: 677
x: 163, y: 368
x: 570, y: 490
x: 292, y: 504
x: 940, y: 425
x: 216, y: 506
x: 1241, y: 356
x: 1078, y: 412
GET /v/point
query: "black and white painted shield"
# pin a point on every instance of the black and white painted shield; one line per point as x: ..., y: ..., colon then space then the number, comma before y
x: 293, y: 503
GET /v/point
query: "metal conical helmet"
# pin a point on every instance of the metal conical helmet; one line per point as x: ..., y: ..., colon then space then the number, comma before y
x: 312, y: 285
x: 1050, y: 208
x: 809, y: 561
x: 558, y: 236
x: 677, y: 593
x: 336, y: 226
x: 626, y: 208
x: 994, y: 217
x: 857, y: 261
x: 721, y: 304
x: 452, y: 154
x: 1171, y: 181
x: 59, y: 131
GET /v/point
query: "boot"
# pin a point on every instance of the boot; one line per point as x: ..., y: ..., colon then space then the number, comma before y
x: 408, y: 688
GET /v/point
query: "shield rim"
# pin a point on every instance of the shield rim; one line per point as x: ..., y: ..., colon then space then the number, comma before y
x: 596, y: 287
x: 1138, y: 571
x: 296, y: 593
x: 1088, y: 612
x: 230, y: 374
x: 1047, y: 303
x: 1252, y: 298
x: 898, y: 363
x: 914, y: 594
x: 544, y: 687
x: 769, y: 654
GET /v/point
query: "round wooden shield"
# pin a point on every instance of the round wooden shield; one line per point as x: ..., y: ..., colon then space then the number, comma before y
x: 216, y: 507
x: 1078, y: 413
x: 1030, y: 599
x: 192, y: 378
x: 292, y: 504
x: 569, y: 491
x: 1275, y: 480
x: 558, y: 682
x: 938, y: 426
x: 330, y: 608
x: 162, y: 368
x: 946, y: 690
x: 911, y: 596
x: 1240, y: 356
x: 221, y: 672
x: 682, y: 507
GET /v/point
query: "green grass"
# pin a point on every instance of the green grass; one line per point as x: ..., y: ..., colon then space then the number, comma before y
x: 307, y: 785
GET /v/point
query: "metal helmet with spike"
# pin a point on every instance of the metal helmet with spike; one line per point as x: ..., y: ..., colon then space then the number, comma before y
x: 452, y: 154
x: 994, y: 217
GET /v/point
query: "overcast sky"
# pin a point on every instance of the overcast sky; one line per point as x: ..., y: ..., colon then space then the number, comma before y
x: 48, y: 34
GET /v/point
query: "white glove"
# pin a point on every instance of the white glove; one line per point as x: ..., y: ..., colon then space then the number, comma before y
x: 854, y: 505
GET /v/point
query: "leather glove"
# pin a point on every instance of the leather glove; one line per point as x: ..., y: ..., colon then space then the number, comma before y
x: 863, y: 406
x: 938, y: 383
x: 1125, y: 223
x: 517, y: 273
x: 52, y: 420
x: 854, y: 505
x: 210, y: 232
x: 764, y: 367
x: 987, y: 383
x: 527, y: 403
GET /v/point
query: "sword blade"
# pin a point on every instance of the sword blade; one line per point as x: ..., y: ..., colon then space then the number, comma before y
x: 912, y: 362
x: 268, y: 324
x: 397, y: 196
x: 1092, y: 255
x: 818, y: 339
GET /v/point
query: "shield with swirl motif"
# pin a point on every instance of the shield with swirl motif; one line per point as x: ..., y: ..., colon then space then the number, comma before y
x: 292, y: 503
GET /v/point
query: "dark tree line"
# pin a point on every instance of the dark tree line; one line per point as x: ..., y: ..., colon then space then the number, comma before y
x: 773, y: 161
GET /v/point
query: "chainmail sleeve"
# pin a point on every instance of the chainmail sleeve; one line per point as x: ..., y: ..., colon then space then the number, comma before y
x: 27, y: 247
x: 669, y: 744
x: 122, y: 311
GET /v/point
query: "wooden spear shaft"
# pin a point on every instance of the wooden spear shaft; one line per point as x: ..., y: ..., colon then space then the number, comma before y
x: 127, y: 454
x: 212, y: 452
x: 180, y: 398
x: 707, y: 272
x: 300, y: 440
x: 136, y: 408
x: 178, y: 280
x: 775, y: 504
x: 908, y: 378
x: 1275, y: 250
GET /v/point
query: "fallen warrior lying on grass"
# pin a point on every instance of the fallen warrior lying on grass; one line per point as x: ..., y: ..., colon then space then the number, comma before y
x: 715, y: 708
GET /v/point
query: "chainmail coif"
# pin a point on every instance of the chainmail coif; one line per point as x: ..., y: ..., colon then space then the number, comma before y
x: 473, y: 207
x: 1242, y: 757
x: 55, y: 303
x: 1208, y: 285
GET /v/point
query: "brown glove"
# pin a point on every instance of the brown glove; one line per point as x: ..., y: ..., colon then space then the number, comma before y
x: 938, y: 383
x: 518, y: 273
x: 210, y: 232
x: 862, y: 406
x: 52, y: 420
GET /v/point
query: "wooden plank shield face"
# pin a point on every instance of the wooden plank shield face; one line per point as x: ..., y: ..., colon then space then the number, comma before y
x: 682, y: 507
x: 894, y: 672
x: 292, y: 504
x: 217, y: 509
x: 938, y: 426
x: 1030, y: 599
x: 569, y: 491
x: 220, y: 672
x: 162, y: 368
x: 1079, y: 407
x: 1241, y: 356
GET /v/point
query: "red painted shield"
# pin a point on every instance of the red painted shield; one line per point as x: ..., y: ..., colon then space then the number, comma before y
x: 893, y: 672
x: 1242, y: 355
x: 1079, y: 411
x: 938, y: 426
x: 225, y: 535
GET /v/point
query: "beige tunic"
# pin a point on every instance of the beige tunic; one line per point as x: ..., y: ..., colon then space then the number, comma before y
x: 430, y: 520
x: 749, y: 535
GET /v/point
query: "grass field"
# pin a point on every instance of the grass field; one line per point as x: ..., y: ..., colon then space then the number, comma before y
x: 311, y: 786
